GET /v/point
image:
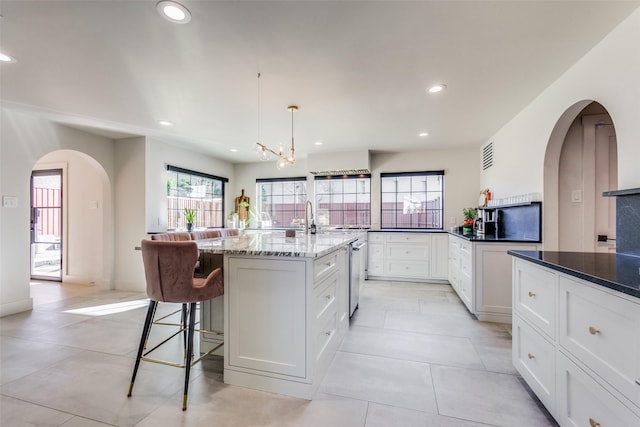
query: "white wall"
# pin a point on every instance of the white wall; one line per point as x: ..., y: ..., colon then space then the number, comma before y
x: 461, y: 170
x: 608, y: 74
x: 25, y: 139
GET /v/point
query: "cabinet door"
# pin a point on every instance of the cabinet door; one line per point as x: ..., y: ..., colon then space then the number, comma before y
x: 439, y: 256
x: 266, y: 316
x: 375, y: 264
x: 493, y: 277
x: 603, y: 331
x: 584, y: 402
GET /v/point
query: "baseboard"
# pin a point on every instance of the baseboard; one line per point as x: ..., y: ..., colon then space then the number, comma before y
x: 16, y: 307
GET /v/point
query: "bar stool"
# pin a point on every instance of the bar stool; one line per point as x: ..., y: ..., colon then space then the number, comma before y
x: 168, y: 268
x: 172, y: 237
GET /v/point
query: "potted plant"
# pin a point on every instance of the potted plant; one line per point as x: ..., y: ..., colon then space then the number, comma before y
x: 469, y: 216
x: 190, y: 217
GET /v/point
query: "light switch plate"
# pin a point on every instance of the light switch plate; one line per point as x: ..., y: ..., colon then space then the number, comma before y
x: 9, y: 201
x: 576, y: 196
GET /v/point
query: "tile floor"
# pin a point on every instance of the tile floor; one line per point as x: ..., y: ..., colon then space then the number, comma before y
x: 413, y: 357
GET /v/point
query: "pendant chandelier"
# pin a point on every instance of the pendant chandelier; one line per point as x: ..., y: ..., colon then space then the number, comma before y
x: 265, y: 153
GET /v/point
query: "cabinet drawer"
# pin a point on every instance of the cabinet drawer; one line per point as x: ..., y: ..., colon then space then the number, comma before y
x: 583, y: 402
x: 465, y: 247
x: 324, y: 266
x: 324, y: 335
x: 465, y: 266
x: 407, y: 252
x: 407, y: 238
x: 325, y: 294
x: 375, y: 237
x: 534, y: 294
x: 454, y: 243
x: 375, y: 251
x: 419, y: 270
x: 534, y: 357
x: 375, y: 268
x: 602, y: 331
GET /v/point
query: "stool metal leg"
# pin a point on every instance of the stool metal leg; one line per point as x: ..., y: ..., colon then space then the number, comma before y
x: 143, y: 340
x: 192, y: 326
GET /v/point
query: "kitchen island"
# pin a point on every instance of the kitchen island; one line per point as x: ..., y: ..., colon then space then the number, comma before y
x: 285, y: 308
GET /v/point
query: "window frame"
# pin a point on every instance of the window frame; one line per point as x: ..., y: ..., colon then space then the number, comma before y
x: 199, y: 219
x: 344, y: 177
x: 300, y: 179
x: 425, y: 192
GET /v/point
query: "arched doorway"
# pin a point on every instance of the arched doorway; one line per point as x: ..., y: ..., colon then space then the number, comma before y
x: 86, y: 217
x: 580, y: 164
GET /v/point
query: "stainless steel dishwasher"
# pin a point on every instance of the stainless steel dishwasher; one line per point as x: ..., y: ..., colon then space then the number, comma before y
x: 357, y: 259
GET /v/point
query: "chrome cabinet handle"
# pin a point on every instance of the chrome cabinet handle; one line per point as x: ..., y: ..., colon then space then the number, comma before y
x: 531, y: 356
x: 593, y: 423
x: 638, y: 381
x: 531, y: 294
x: 328, y: 296
x: 593, y: 330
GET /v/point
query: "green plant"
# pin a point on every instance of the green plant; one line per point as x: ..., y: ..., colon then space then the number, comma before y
x: 189, y: 215
x: 469, y: 213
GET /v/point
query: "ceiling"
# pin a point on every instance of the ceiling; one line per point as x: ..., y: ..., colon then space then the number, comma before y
x: 358, y: 70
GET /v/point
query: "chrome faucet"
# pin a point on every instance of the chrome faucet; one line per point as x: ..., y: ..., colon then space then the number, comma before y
x: 307, y: 223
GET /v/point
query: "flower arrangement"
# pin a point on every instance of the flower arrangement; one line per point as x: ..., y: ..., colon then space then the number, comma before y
x: 190, y: 217
x: 469, y: 216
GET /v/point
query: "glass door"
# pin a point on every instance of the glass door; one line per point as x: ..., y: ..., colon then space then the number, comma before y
x: 46, y: 225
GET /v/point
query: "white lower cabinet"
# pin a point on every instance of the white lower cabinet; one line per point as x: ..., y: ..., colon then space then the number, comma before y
x: 593, y: 333
x: 582, y: 401
x: 408, y: 256
x: 284, y: 320
x: 481, y: 275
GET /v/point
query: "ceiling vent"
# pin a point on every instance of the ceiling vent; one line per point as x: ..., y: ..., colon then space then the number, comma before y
x: 487, y: 156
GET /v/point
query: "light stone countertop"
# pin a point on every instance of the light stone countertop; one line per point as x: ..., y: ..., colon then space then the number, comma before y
x: 274, y: 243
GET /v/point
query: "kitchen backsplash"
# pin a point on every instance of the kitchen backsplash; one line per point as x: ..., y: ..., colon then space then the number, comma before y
x: 628, y: 224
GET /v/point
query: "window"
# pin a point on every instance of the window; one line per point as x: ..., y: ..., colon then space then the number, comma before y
x: 412, y: 200
x: 343, y: 200
x: 194, y: 190
x: 281, y: 200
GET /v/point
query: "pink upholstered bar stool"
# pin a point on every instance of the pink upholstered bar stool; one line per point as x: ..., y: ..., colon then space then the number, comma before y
x: 168, y: 268
x: 171, y: 237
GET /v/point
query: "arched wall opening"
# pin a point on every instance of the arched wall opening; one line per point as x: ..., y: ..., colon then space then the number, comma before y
x: 580, y: 164
x: 87, y: 217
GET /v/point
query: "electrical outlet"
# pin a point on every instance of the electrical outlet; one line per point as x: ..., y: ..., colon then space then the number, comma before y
x: 576, y: 196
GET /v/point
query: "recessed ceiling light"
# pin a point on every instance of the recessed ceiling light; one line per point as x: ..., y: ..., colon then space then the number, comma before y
x: 165, y: 123
x: 174, y: 12
x: 437, y: 88
x: 6, y: 58
x: 423, y: 134
x: 233, y: 150
x: 318, y: 143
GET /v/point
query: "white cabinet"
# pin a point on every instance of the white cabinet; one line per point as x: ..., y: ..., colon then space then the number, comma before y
x: 594, y: 335
x: 408, y: 256
x: 481, y: 275
x: 284, y: 320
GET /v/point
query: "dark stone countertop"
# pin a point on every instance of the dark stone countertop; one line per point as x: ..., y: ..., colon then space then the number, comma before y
x: 614, y: 271
x: 490, y: 238
x: 405, y: 230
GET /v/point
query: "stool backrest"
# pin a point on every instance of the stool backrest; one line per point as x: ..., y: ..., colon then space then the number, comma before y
x: 168, y: 269
x: 230, y: 232
x: 171, y: 237
x: 205, y: 234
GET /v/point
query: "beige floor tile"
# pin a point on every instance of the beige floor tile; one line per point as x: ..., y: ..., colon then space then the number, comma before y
x: 386, y: 416
x: 486, y: 397
x: 14, y: 412
x: 437, y: 324
x: 368, y: 317
x: 20, y: 357
x: 394, y: 382
x: 439, y: 349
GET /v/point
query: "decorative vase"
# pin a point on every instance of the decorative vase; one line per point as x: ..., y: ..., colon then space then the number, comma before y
x: 189, y: 227
x: 467, y: 229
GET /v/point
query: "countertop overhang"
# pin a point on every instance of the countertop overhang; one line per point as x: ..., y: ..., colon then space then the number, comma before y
x: 275, y: 243
x: 614, y: 271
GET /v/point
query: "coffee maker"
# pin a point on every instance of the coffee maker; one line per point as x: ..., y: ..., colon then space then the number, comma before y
x: 486, y: 222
